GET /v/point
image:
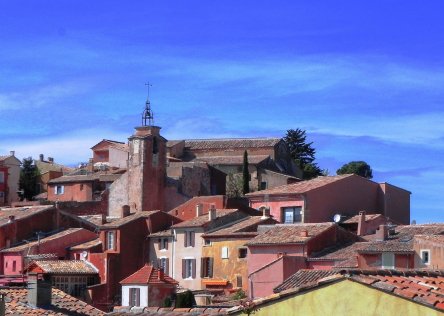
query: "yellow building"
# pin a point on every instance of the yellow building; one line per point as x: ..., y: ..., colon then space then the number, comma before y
x: 360, y: 293
x: 224, y: 256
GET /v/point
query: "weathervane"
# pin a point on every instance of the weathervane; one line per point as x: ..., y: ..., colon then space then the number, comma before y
x: 147, y: 114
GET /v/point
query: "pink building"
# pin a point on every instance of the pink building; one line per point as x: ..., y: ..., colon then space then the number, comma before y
x: 281, y: 250
x: 319, y: 199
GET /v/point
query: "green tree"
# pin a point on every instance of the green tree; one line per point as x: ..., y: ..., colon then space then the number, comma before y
x: 361, y: 168
x: 245, y: 175
x: 185, y: 299
x: 302, y: 153
x: 28, y: 179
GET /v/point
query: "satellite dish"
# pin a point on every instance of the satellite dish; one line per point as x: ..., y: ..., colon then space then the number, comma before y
x: 337, y: 218
x: 84, y: 255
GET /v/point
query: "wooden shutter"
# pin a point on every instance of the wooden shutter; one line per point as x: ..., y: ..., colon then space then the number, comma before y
x: 159, y: 246
x: 185, y: 239
x: 167, y: 266
x: 194, y: 268
x: 166, y: 243
x: 184, y: 266
x: 192, y: 238
x: 202, y: 267
x: 137, y: 297
x: 239, y: 281
x: 210, y: 267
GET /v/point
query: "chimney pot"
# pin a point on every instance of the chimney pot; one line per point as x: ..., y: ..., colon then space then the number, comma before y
x: 265, y: 212
x: 212, y: 212
x: 199, y: 209
x: 103, y: 219
x: 50, y: 159
x: 39, y: 291
x: 41, y: 157
x: 382, y: 233
x: 361, y: 224
x: 125, y: 211
x: 12, y: 152
x: 11, y: 218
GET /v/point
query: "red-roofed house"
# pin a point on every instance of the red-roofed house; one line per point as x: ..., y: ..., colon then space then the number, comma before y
x: 147, y: 287
x: 319, y: 199
x: 281, y: 250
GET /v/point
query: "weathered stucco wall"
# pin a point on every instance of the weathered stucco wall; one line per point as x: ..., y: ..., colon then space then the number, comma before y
x: 118, y: 195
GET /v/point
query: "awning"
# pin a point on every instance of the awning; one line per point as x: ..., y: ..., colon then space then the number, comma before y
x: 215, y: 282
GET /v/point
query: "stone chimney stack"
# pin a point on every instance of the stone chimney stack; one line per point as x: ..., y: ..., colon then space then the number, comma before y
x: 39, y: 291
x: 199, y: 209
x: 41, y: 157
x: 125, y: 211
x: 212, y: 212
x: 12, y: 153
x: 382, y: 233
x: 51, y: 160
x: 265, y: 212
x: 361, y: 224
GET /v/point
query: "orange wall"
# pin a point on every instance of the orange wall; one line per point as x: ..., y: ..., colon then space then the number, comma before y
x: 72, y: 192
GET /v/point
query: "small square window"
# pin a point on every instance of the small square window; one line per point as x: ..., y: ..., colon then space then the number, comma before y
x: 242, y: 252
x: 207, y: 242
x: 425, y: 256
x: 224, y: 252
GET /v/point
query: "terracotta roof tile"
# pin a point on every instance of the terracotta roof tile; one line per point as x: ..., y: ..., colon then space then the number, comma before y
x: 368, y: 218
x: 148, y: 275
x: 302, y: 186
x: 21, y: 212
x: 132, y: 217
x: 387, y: 246
x: 87, y: 245
x: 227, y: 143
x: 61, y: 234
x: 247, y: 225
x: 303, y: 277
x: 63, y: 266
x: 223, y: 217
x: 345, y: 256
x: 61, y: 304
x: 290, y: 233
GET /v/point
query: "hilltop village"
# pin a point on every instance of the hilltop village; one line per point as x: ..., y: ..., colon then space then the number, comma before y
x: 146, y: 227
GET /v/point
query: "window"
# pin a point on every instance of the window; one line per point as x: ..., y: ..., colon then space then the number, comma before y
x: 163, y: 243
x: 163, y: 264
x: 239, y: 281
x: 59, y: 189
x: 188, y: 268
x: 291, y: 215
x: 110, y: 240
x: 2, y: 177
x: 14, y: 266
x: 207, y: 242
x: 263, y: 185
x: 224, y: 252
x: 388, y: 260
x: 81, y: 187
x: 425, y: 256
x: 189, y: 239
x: 242, y: 253
x: 134, y: 297
x: 206, y: 267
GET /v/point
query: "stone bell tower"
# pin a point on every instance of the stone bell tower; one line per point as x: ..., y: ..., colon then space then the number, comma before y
x: 146, y: 165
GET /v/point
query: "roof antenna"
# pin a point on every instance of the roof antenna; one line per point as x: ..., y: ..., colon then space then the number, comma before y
x: 147, y: 114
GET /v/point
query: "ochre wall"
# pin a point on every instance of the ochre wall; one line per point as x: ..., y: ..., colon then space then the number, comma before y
x: 353, y: 299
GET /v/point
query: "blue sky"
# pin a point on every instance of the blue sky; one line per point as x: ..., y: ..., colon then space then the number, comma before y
x: 365, y: 80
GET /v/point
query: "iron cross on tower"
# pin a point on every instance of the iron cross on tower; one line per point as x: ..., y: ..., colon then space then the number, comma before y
x: 147, y: 115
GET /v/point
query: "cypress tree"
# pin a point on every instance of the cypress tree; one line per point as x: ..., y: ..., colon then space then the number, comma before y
x: 245, y: 175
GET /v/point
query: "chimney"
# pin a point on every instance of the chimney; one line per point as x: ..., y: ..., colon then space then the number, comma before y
x: 361, y: 224
x: 303, y: 233
x: 51, y: 160
x: 41, y: 157
x: 161, y: 274
x: 39, y: 291
x: 265, y: 212
x: 199, y: 209
x: 125, y: 211
x: 12, y: 153
x: 103, y: 219
x: 212, y: 212
x: 11, y: 219
x: 90, y: 166
x: 382, y: 233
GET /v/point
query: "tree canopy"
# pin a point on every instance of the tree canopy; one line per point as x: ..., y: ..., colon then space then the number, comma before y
x: 302, y: 153
x: 28, y: 179
x: 361, y: 168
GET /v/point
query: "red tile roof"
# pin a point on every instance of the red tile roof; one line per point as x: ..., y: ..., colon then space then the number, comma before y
x: 203, y: 221
x: 289, y: 234
x: 233, y: 160
x: 61, y: 234
x: 148, y: 275
x: 61, y: 304
x: 344, y: 256
x: 368, y: 218
x: 22, y: 212
x: 420, y: 286
x: 246, y: 227
x: 227, y: 143
x: 87, y: 245
x: 62, y: 267
x: 302, y: 186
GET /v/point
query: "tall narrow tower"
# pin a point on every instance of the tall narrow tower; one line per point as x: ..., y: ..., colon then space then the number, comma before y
x: 146, y: 165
